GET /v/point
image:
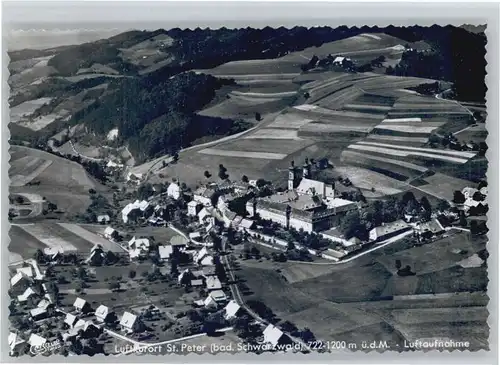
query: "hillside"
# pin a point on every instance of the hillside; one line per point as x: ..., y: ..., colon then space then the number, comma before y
x: 139, y: 82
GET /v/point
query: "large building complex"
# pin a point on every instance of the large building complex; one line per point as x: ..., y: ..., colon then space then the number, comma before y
x: 308, y: 204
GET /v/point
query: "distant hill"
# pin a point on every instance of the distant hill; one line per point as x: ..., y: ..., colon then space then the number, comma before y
x: 137, y: 81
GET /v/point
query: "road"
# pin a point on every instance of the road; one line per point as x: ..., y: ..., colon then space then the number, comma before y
x: 236, y: 294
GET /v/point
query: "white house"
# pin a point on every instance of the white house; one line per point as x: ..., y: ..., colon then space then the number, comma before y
x: 38, y: 313
x: 102, y: 219
x: 165, y: 251
x: 203, y: 258
x: 102, y: 313
x: 15, y: 342
x: 110, y: 233
x: 134, y: 178
x: 388, y: 230
x: 213, y: 283
x: 218, y: 296
x: 81, y: 305
x: 24, y: 296
x: 36, y: 340
x: 272, y: 335
x: 231, y: 310
x: 203, y: 195
x: 174, y: 191
x: 193, y: 208
x: 204, y: 215
x: 139, y: 243
x: 70, y: 320
x: 136, y: 209
x: 20, y: 280
x: 27, y: 270
x: 210, y: 302
x: 96, y: 256
x: 130, y: 323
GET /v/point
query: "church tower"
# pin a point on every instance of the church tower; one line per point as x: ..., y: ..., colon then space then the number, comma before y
x: 291, y: 176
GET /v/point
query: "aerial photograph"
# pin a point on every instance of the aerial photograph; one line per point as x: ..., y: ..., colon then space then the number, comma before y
x: 249, y: 190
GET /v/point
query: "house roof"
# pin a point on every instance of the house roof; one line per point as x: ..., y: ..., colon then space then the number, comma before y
x: 70, y: 319
x: 339, y: 59
x: 204, y: 192
x: 218, y: 295
x: 194, y: 235
x: 37, y: 311
x: 433, y: 226
x: 307, y: 186
x: 104, y: 217
x: 178, y: 241
x: 79, y: 303
x: 230, y: 215
x: 209, y: 301
x: 14, y: 340
x: 27, y: 293
x: 36, y: 340
x: 200, y: 254
x: 389, y: 228
x: 193, y: 203
x: 213, y: 283
x: 44, y: 303
x: 17, y: 278
x: 208, y: 260
x: 246, y: 223
x: 139, y: 243
x: 128, y: 320
x: 203, y: 213
x: 196, y: 282
x: 469, y: 191
x: 209, y: 270
x: 102, y: 311
x: 185, y: 272
x: 272, y: 335
x: 54, y: 250
x: 109, y: 230
x: 27, y: 270
x: 165, y: 251
x: 231, y: 309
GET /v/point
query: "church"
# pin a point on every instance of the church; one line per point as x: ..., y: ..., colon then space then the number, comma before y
x: 308, y: 204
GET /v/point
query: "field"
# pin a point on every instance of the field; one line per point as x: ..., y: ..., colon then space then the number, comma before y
x: 62, y: 182
x: 443, y: 185
x: 382, y: 305
x: 21, y: 111
x: 244, y: 154
x: 366, y: 179
x: 476, y: 133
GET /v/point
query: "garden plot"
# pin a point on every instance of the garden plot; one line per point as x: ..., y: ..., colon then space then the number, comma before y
x: 289, y: 121
x: 263, y: 95
x: 52, y: 236
x: 40, y: 122
x: 274, y: 134
x: 443, y: 185
x: 259, y: 66
x: 366, y: 179
x: 21, y: 180
x: 91, y: 237
x: 265, y: 145
x: 407, y: 129
x: 406, y: 153
x: 398, y: 139
x: 322, y: 127
x: 27, y: 108
x: 316, y: 112
x: 367, y: 107
x: 243, y: 154
x: 462, y: 154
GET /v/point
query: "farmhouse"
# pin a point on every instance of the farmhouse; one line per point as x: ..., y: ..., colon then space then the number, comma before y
x: 111, y: 165
x: 209, y: 302
x: 204, y: 195
x: 274, y: 336
x: 232, y: 310
x: 103, y: 219
x: 388, y: 230
x: 431, y: 228
x: 130, y: 323
x: 103, y: 313
x: 97, y: 256
x: 349, y: 245
x: 36, y: 340
x: 81, y: 305
x: 213, y: 283
x: 24, y: 296
x: 137, y: 209
x: 194, y: 208
x: 132, y: 178
x: 165, y: 251
x: 38, y: 313
x: 218, y: 295
x: 16, y: 344
x: 21, y: 281
x: 174, y: 191
x: 141, y: 245
x: 70, y: 320
x: 111, y: 234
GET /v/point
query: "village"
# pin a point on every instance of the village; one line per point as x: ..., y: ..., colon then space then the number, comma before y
x: 62, y: 296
